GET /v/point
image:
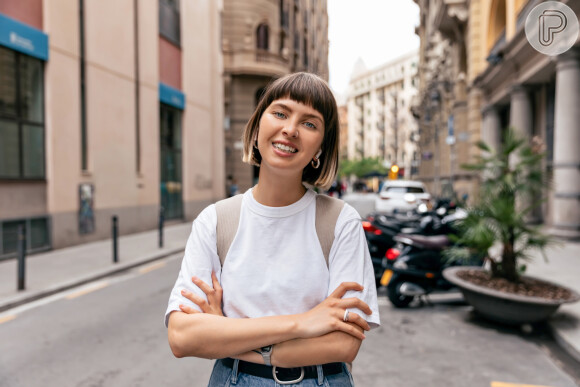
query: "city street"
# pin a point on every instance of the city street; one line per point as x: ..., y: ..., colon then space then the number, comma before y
x: 111, y: 333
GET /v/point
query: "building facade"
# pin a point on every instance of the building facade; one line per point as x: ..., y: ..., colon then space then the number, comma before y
x: 263, y: 40
x: 380, y: 121
x: 510, y: 84
x: 107, y: 108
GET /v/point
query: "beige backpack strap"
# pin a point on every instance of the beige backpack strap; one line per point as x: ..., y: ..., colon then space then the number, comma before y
x: 228, y: 218
x: 327, y: 211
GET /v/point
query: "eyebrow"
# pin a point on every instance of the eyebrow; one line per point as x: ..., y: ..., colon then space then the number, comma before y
x: 283, y: 106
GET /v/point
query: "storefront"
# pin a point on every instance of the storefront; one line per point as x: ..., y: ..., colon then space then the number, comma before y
x: 23, y: 53
x: 172, y: 103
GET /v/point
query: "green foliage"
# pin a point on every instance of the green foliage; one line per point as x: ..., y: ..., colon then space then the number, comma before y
x: 361, y: 168
x: 512, y: 181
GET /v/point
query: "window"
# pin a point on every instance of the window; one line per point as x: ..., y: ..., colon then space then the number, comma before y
x: 21, y: 116
x: 36, y: 231
x: 262, y: 37
x: 169, y: 23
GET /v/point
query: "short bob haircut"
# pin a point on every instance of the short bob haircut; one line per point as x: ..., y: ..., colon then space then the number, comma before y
x: 310, y: 90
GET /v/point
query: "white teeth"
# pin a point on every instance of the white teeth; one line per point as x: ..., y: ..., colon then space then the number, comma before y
x: 285, y: 148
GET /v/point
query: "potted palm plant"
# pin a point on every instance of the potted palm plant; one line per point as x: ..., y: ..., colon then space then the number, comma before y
x: 497, y: 228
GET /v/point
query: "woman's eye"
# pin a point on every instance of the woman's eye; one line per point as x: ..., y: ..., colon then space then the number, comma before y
x: 279, y: 115
x: 310, y: 125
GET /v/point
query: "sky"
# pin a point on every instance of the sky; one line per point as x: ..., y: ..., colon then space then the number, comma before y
x: 376, y: 31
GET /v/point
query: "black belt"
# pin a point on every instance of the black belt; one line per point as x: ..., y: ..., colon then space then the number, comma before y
x: 282, y: 374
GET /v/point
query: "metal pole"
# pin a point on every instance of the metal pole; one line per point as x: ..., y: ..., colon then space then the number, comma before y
x: 115, y: 236
x: 161, y: 221
x: 21, y: 257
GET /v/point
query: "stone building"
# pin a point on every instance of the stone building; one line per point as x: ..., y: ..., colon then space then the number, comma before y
x: 380, y: 122
x: 263, y: 40
x: 110, y: 107
x: 476, y: 55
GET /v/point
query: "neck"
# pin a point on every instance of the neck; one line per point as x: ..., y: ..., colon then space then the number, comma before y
x: 277, y: 191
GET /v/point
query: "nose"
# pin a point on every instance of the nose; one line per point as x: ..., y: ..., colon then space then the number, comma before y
x: 290, y: 130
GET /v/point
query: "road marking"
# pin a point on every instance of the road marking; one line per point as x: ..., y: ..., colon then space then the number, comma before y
x: 155, y: 266
x: 502, y: 384
x: 7, y: 318
x: 86, y: 290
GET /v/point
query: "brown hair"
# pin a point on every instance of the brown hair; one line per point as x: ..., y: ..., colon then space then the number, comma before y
x: 310, y: 90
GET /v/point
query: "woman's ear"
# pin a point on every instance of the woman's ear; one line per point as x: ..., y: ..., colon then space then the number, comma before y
x: 318, y: 154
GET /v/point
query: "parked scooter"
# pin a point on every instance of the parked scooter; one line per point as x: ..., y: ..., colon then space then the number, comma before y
x: 381, y: 229
x: 414, y: 267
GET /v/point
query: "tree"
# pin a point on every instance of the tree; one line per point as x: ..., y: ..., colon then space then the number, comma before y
x: 362, y: 168
x: 512, y: 185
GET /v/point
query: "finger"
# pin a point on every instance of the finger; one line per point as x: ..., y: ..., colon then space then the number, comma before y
x: 358, y: 320
x: 215, y: 282
x: 188, y: 309
x: 202, y: 285
x: 345, y: 287
x: 352, y: 330
x: 197, y: 300
x: 348, y: 303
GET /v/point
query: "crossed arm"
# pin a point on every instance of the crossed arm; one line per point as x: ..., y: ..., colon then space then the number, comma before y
x: 314, y: 337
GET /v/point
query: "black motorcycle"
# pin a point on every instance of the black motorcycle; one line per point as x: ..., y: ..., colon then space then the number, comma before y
x: 414, y: 267
x: 381, y: 229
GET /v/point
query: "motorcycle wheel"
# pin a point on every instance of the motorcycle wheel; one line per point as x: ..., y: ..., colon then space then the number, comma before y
x: 394, y: 294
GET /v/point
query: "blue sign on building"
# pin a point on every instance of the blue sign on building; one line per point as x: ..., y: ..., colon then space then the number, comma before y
x: 171, y: 96
x: 23, y: 38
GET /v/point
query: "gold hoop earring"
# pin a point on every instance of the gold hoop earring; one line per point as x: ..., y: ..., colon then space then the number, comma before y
x: 315, y: 163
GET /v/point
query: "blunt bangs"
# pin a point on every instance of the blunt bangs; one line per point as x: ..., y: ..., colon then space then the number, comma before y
x: 305, y: 88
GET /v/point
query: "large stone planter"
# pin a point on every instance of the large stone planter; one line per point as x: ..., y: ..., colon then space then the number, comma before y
x: 504, y: 307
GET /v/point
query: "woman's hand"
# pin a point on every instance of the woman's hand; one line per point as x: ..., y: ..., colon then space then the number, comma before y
x: 213, y: 305
x: 328, y: 316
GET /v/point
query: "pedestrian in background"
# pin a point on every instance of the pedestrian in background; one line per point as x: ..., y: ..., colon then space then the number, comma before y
x: 276, y: 311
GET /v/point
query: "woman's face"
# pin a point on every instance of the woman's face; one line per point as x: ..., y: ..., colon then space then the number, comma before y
x: 290, y: 135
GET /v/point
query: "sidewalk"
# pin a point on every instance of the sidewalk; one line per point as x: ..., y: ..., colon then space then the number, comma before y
x: 54, y: 271
x: 58, y: 270
x: 562, y: 267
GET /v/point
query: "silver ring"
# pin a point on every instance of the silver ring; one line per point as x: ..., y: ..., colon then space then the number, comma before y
x: 345, y: 318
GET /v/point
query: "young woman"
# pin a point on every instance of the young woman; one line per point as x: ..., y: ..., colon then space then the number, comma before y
x: 275, y: 313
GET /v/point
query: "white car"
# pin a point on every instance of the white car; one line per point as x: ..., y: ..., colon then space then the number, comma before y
x: 401, y: 196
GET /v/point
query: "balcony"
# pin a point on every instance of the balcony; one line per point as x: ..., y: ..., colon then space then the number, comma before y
x: 255, y: 62
x: 449, y: 15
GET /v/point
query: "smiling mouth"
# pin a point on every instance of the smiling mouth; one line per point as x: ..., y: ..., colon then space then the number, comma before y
x: 284, y: 148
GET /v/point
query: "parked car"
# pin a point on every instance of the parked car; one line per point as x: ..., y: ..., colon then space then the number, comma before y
x: 401, y: 196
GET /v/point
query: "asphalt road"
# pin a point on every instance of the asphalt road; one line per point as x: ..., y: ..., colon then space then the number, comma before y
x: 111, y: 333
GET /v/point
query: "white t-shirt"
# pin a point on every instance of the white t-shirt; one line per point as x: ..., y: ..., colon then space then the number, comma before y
x: 275, y: 264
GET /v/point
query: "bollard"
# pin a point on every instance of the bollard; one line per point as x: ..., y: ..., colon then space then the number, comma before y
x: 161, y: 221
x: 21, y: 257
x: 115, y: 236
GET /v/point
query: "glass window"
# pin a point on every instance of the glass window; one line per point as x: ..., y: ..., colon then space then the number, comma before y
x: 9, y: 149
x: 7, y: 83
x: 262, y: 37
x: 36, y: 231
x: 31, y: 101
x: 169, y: 22
x: 21, y: 116
x: 403, y: 190
x: 171, y: 162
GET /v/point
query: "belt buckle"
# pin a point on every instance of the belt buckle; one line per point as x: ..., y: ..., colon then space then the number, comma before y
x: 288, y: 381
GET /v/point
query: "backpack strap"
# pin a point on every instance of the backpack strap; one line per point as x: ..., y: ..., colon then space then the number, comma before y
x: 327, y: 211
x: 228, y: 218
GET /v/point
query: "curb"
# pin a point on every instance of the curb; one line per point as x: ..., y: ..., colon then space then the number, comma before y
x: 24, y: 299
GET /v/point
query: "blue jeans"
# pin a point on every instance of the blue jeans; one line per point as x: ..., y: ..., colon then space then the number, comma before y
x: 223, y: 376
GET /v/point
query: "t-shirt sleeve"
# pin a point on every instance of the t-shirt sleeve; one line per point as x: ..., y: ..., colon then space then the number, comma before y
x: 200, y: 259
x: 350, y: 261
